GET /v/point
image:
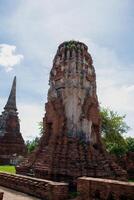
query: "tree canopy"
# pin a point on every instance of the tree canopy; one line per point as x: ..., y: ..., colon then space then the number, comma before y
x: 130, y: 144
x: 31, y: 145
x: 113, y: 129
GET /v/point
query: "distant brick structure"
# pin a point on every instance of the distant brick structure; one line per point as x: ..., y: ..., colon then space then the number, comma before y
x: 11, y: 141
x: 71, y: 144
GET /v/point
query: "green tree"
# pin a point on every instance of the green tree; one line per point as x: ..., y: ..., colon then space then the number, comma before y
x: 130, y: 144
x: 40, y: 125
x: 31, y: 145
x: 113, y: 129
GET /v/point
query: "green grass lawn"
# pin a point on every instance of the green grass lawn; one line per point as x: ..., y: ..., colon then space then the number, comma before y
x: 131, y: 180
x: 8, y: 168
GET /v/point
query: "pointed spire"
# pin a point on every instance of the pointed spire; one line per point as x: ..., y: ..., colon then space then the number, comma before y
x: 11, y: 103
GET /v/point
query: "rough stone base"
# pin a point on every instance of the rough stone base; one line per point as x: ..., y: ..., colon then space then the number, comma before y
x: 126, y: 162
x: 43, y: 189
x: 104, y: 189
x: 87, y: 188
x: 1, y: 195
x: 69, y: 160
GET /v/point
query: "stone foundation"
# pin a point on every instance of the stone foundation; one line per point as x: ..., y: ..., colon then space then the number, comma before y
x: 126, y: 162
x: 43, y: 189
x: 104, y: 189
x: 87, y: 188
x: 1, y: 195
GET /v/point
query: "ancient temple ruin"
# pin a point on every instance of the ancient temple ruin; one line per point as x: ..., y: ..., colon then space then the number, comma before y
x: 11, y: 141
x: 71, y: 145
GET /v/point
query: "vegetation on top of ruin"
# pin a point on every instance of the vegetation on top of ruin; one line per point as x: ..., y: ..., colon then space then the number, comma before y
x: 71, y: 44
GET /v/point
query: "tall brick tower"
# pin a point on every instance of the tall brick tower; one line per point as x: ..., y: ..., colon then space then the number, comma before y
x: 71, y: 144
x: 11, y: 141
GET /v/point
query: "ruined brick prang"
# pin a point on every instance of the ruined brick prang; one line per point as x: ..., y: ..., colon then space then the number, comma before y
x: 73, y: 82
x: 11, y: 141
x: 71, y: 144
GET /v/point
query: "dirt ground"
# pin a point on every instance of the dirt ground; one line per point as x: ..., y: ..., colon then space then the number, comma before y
x: 14, y: 195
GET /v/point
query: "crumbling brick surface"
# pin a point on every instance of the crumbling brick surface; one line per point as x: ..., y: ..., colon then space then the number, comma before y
x: 127, y: 163
x: 71, y: 144
x: 43, y: 189
x: 1, y: 195
x: 104, y: 189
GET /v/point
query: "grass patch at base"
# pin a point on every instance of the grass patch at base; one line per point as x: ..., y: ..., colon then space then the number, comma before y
x: 7, y: 168
x: 131, y: 180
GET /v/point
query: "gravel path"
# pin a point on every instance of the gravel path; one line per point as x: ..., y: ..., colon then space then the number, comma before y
x: 14, y: 195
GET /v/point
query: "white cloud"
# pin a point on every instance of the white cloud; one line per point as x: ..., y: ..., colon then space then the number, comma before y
x: 51, y: 23
x: 30, y: 115
x: 119, y: 98
x: 8, y: 57
x: 115, y: 84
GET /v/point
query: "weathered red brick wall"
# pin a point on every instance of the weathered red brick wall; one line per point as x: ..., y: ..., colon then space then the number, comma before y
x: 1, y: 195
x: 71, y: 145
x: 43, y: 189
x: 127, y: 163
x: 87, y: 188
x: 104, y: 189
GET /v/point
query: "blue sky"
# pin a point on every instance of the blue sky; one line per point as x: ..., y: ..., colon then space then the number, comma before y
x: 30, y: 32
